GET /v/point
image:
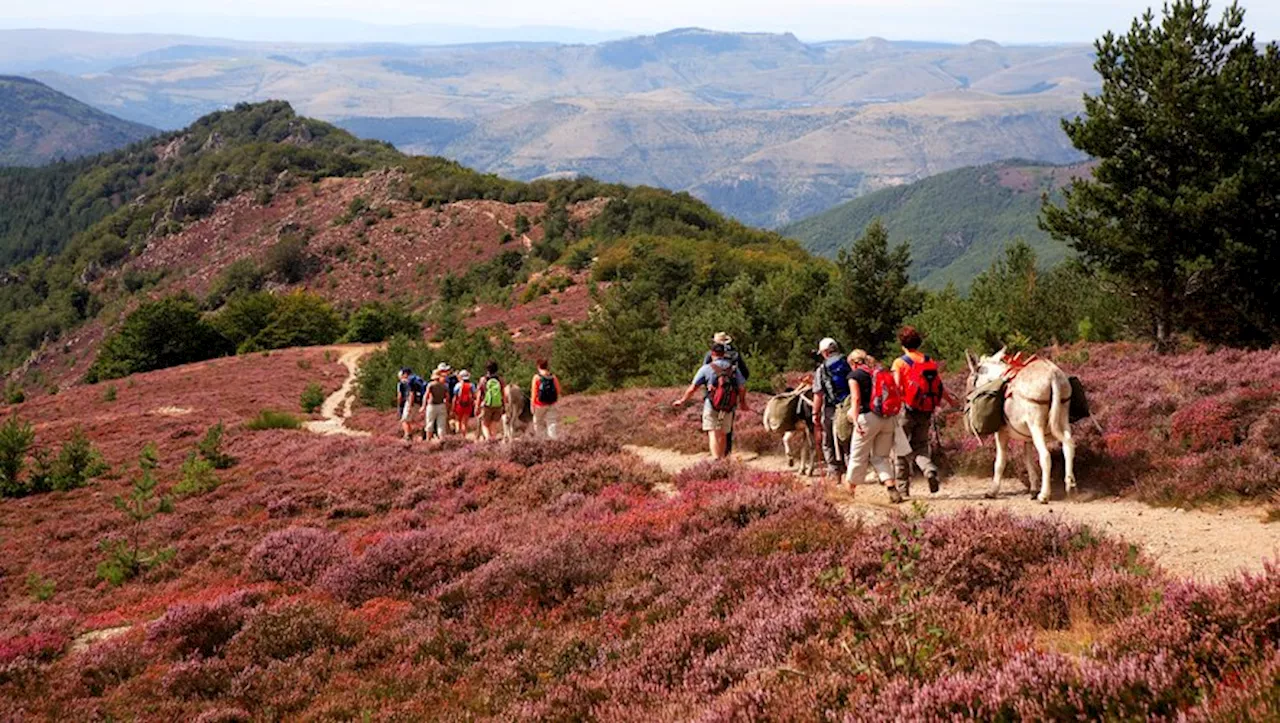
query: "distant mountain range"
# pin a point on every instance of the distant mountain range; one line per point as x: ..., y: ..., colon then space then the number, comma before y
x: 957, y: 223
x: 39, y: 125
x: 762, y: 126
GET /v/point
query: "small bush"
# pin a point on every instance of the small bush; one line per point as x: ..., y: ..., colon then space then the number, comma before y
x: 210, y: 448
x: 376, y: 322
x: 291, y: 629
x: 288, y: 260
x: 201, y: 628
x: 40, y: 588
x: 77, y: 463
x: 125, y: 558
x: 270, y: 419
x: 13, y: 394
x: 109, y: 663
x: 16, y: 438
x: 312, y: 398
x: 110, y: 393
x: 295, y: 554
x: 198, y: 477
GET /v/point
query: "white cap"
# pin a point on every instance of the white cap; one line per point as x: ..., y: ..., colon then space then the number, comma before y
x: 464, y: 375
x: 828, y: 344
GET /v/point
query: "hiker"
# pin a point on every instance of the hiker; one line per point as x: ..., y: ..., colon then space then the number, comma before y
x: 464, y: 399
x: 920, y: 380
x: 724, y: 393
x: 435, y: 406
x: 409, y: 393
x: 876, y: 401
x: 830, y: 390
x: 545, y: 392
x: 450, y: 381
x: 732, y: 355
x: 490, y: 402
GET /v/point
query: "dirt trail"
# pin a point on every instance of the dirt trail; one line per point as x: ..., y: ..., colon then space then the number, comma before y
x: 337, y: 406
x: 1203, y: 545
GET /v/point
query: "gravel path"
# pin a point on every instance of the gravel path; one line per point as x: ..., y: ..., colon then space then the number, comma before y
x: 337, y: 406
x: 1200, y: 544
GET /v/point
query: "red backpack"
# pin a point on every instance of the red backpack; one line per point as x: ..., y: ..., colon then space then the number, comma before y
x: 724, y: 389
x: 921, y: 385
x: 886, y: 397
x: 465, y: 395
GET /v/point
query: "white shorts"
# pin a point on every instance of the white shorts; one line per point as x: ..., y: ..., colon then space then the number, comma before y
x: 713, y: 421
x: 406, y: 414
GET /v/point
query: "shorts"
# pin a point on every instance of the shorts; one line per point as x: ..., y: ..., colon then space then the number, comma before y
x: 713, y: 421
x: 491, y: 415
x: 406, y: 414
x: 436, y: 420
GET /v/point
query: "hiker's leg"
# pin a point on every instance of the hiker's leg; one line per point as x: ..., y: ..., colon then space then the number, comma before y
x: 859, y: 453
x: 830, y: 449
x: 921, y: 454
x: 728, y: 444
x: 881, y: 448
x: 552, y: 416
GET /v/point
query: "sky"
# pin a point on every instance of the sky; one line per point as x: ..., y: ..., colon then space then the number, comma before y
x: 1006, y: 21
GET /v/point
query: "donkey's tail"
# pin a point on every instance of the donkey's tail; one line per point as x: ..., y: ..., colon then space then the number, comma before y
x: 1059, y: 420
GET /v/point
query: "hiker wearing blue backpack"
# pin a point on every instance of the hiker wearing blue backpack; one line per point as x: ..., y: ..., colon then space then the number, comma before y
x: 409, y: 395
x: 724, y: 391
x: 830, y: 389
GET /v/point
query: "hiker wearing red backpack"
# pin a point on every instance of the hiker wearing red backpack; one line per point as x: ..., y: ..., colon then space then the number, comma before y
x: 464, y: 400
x: 921, y: 382
x: 873, y: 413
x: 724, y: 394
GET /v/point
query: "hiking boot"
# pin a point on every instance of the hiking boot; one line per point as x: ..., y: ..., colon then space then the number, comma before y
x: 933, y: 482
x: 895, y: 496
x: 905, y: 488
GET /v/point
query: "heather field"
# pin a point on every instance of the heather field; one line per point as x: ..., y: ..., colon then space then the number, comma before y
x: 340, y: 578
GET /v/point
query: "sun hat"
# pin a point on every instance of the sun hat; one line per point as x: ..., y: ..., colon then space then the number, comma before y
x: 828, y: 344
x: 443, y: 367
x: 464, y: 375
x: 722, y: 338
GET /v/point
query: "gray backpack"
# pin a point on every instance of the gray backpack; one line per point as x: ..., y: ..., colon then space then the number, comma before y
x: 984, y: 408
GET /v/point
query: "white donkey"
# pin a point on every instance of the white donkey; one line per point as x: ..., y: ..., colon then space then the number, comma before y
x: 791, y: 415
x: 1036, y: 404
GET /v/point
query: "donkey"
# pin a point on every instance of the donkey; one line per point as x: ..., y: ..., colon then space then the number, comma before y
x: 1036, y: 403
x: 791, y: 414
x: 517, y: 415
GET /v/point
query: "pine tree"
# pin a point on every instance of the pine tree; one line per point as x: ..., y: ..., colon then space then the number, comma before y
x: 873, y: 293
x: 125, y: 558
x: 1184, y: 203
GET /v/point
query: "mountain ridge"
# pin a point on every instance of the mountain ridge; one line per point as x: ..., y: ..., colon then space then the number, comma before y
x: 39, y: 125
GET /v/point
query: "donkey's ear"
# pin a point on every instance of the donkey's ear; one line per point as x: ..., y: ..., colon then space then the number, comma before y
x: 999, y: 356
x: 973, y: 364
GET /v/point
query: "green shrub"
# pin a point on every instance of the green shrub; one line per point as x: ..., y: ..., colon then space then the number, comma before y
x: 377, y: 321
x: 312, y: 398
x: 299, y: 319
x: 125, y: 558
x: 270, y: 419
x: 210, y: 448
x: 198, y: 477
x: 40, y: 588
x: 77, y: 463
x: 157, y: 335
x: 241, y: 277
x: 288, y: 260
x: 16, y: 438
x: 110, y: 393
x: 13, y: 394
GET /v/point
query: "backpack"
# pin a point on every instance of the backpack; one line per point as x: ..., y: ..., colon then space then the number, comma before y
x: 547, y: 394
x: 984, y: 408
x: 921, y: 385
x: 493, y: 393
x: 1078, y: 408
x: 724, y: 390
x: 418, y: 388
x: 464, y: 399
x: 886, y: 397
x: 835, y: 383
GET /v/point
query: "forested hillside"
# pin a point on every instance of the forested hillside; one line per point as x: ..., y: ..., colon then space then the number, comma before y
x: 957, y: 223
x: 38, y: 125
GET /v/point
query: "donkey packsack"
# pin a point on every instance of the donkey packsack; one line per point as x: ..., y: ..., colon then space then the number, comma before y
x: 921, y: 385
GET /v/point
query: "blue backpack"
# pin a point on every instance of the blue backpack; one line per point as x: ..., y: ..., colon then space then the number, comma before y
x: 835, y: 383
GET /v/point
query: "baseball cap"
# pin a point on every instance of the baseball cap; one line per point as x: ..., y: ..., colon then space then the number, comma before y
x: 464, y: 375
x: 828, y: 344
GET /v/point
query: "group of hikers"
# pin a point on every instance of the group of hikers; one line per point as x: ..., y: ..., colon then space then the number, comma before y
x: 449, y: 401
x: 888, y: 412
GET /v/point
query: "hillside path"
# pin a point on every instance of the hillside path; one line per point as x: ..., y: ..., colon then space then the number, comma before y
x: 1204, y: 545
x: 337, y: 406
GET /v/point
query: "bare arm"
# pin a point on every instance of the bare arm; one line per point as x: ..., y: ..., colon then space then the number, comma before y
x: 688, y: 394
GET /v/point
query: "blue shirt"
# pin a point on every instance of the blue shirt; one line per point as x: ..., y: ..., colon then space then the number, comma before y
x: 412, y: 388
x: 707, y: 375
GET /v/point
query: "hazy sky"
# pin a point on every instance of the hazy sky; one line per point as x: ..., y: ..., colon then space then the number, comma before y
x: 953, y: 20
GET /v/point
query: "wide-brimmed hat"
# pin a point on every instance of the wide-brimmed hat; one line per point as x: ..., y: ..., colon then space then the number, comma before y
x: 443, y: 367
x: 464, y: 375
x: 722, y: 338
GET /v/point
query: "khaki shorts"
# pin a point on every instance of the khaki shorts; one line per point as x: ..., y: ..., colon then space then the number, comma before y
x: 491, y: 415
x: 713, y: 421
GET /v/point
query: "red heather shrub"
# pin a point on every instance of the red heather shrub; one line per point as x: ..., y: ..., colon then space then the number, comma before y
x: 202, y: 628
x: 407, y: 563
x: 111, y: 662
x: 23, y: 655
x: 198, y: 678
x: 296, y: 554
x: 290, y: 628
x: 1206, y: 424
x: 224, y: 715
